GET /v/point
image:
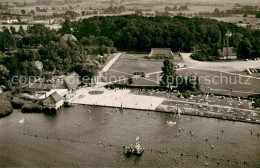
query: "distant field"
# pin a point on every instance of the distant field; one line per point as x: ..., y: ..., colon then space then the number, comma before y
x: 236, y: 18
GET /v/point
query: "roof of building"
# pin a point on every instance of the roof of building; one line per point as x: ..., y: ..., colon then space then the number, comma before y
x: 230, y: 51
x: 161, y: 52
x: 38, y: 65
x: 53, y: 98
x: 69, y: 37
x: 71, y: 81
x: 47, y: 86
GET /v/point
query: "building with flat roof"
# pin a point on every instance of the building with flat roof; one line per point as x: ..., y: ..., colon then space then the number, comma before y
x: 161, y: 53
x: 67, y: 37
x: 227, y: 53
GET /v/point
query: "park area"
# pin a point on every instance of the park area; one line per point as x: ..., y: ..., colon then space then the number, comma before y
x: 224, y: 78
x: 129, y: 64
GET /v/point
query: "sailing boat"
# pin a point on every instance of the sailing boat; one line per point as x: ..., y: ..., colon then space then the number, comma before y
x: 21, y: 121
x: 137, y: 150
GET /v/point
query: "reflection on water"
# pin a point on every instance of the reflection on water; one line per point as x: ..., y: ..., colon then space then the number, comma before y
x: 92, y: 136
x: 50, y: 115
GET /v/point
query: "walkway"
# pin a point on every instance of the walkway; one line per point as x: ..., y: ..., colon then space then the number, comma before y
x: 111, y: 62
x: 116, y: 98
x: 225, y: 66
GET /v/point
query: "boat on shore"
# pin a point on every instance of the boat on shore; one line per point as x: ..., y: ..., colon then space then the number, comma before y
x: 67, y: 104
x: 136, y: 150
x: 21, y: 121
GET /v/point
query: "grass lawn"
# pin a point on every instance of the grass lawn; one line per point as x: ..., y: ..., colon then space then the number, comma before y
x: 127, y: 64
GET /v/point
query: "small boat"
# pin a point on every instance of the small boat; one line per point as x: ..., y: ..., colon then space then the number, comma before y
x: 137, y: 150
x: 171, y: 123
x: 21, y: 121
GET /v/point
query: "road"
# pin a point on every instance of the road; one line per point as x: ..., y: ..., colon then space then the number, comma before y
x: 111, y: 62
x: 231, y: 66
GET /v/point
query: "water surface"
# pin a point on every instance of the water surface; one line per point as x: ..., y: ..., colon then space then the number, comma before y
x: 74, y: 133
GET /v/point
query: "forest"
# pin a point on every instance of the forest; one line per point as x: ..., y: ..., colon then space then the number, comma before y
x: 139, y: 33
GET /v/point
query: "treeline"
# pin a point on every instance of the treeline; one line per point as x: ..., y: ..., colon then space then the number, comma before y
x: 138, y: 33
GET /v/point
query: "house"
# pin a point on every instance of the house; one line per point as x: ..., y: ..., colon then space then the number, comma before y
x: 2, y: 88
x: 70, y: 82
x: 54, y: 101
x: 227, y: 53
x: 12, y: 21
x: 38, y: 65
x: 161, y: 53
x: 67, y: 37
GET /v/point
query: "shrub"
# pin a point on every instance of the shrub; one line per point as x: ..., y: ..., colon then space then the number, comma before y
x: 257, y: 103
x: 17, y: 103
x: 5, y: 106
x: 254, y: 96
x: 32, y: 108
x: 186, y: 94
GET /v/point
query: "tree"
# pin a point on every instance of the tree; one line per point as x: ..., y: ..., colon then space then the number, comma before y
x: 130, y: 81
x: 66, y: 27
x: 217, y: 13
x: 175, y: 8
x: 244, y: 49
x: 245, y: 15
x: 83, y: 13
x: 23, y: 11
x: 4, y: 72
x: 138, y: 12
x: 257, y: 15
x: 71, y: 14
x: 6, y: 40
x: 12, y: 29
x: 167, y: 9
x: 168, y: 73
x: 32, y: 12
x: 21, y: 31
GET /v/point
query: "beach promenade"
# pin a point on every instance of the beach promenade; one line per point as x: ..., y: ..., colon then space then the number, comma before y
x: 115, y: 98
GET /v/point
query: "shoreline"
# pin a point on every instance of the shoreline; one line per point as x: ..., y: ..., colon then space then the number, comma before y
x: 226, y: 118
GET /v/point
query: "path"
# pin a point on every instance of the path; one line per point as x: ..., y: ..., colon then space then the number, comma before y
x: 111, y: 62
x: 100, y: 84
x: 231, y: 66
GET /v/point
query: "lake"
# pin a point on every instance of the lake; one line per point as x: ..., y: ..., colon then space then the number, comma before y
x: 71, y: 139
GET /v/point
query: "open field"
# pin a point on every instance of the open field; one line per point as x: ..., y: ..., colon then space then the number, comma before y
x: 251, y: 19
x: 127, y: 64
